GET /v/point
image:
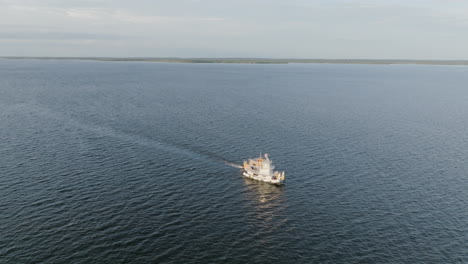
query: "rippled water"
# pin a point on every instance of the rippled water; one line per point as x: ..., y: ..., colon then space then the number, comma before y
x: 106, y: 162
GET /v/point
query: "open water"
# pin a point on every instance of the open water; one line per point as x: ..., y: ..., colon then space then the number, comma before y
x: 125, y: 162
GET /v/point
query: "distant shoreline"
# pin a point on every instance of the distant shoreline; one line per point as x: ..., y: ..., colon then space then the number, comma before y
x: 252, y: 60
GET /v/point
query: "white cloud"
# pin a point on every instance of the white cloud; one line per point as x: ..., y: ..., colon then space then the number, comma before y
x: 124, y: 16
x: 33, y: 9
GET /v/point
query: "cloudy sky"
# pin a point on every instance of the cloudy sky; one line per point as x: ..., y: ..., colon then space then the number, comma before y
x: 389, y: 29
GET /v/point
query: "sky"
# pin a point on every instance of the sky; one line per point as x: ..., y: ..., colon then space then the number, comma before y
x: 317, y: 29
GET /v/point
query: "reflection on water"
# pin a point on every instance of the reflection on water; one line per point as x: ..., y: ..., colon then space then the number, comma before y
x: 267, y: 194
x: 267, y: 200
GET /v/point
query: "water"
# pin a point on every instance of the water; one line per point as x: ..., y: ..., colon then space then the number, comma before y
x: 116, y: 162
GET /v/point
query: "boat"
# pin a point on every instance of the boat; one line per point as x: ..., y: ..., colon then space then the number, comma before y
x: 261, y: 169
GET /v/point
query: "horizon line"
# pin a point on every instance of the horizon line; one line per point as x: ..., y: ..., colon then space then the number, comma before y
x: 251, y: 60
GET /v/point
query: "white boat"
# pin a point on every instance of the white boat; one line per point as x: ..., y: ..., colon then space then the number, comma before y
x: 261, y: 169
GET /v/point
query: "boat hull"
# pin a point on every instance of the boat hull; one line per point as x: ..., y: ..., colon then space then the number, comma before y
x: 262, y: 178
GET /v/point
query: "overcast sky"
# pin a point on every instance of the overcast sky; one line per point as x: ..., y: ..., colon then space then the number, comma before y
x: 388, y: 29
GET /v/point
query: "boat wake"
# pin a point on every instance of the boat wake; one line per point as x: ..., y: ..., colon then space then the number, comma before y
x: 134, y: 139
x: 232, y: 164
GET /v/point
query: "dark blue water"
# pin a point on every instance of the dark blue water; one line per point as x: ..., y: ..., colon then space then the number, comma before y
x: 116, y: 162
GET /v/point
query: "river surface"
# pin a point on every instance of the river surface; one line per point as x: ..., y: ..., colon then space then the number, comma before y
x: 126, y: 162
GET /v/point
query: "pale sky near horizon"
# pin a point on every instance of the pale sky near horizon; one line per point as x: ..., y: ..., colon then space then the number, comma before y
x: 328, y: 29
